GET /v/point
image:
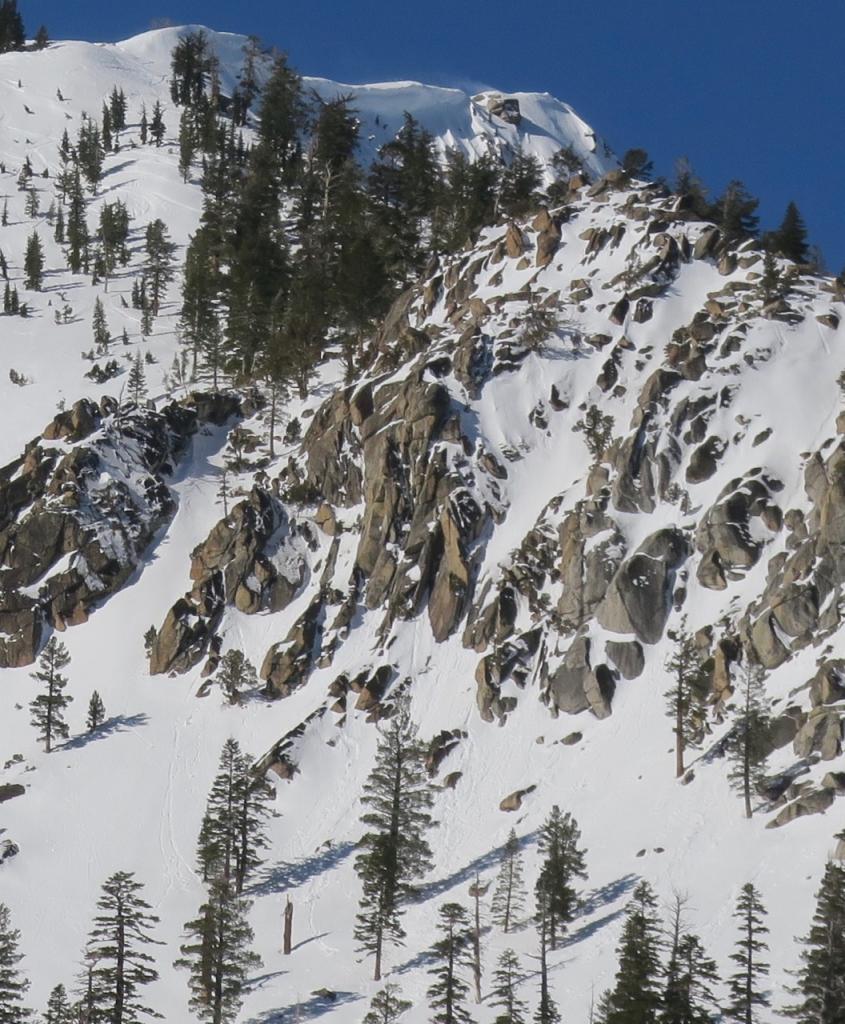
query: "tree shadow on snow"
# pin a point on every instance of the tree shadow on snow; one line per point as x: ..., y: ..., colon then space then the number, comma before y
x: 310, y: 1009
x: 485, y: 862
x: 117, y: 723
x: 284, y: 876
x: 607, y: 894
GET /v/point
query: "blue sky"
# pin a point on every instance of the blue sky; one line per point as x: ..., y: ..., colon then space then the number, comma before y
x: 752, y: 89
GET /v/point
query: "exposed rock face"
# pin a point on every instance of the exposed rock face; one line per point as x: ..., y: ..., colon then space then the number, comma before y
x: 75, y: 521
x: 575, y: 686
x: 287, y: 665
x: 639, y: 597
x: 821, y: 733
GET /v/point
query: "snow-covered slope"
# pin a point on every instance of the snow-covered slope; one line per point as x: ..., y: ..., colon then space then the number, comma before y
x: 499, y: 501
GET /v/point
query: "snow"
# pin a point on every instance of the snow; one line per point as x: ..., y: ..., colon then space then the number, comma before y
x: 131, y: 797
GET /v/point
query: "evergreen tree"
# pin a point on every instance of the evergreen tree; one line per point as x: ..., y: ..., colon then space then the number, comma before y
x: 48, y: 707
x: 106, y: 130
x: 394, y: 850
x: 636, y: 997
x: 735, y: 213
x: 187, y: 143
x: 790, y: 239
x: 685, y: 700
x: 504, y: 995
x: 117, y: 109
x: 117, y: 951
x: 744, y: 986
x: 33, y: 263
x: 143, y: 126
x: 59, y: 230
x: 13, y: 985
x: 467, y: 201
x: 218, y: 954
x: 236, y: 673
x: 771, y: 282
x: 31, y: 206
x: 748, y: 745
x: 137, y: 383
x: 520, y: 187
x: 689, y: 997
x: 158, y: 265
x: 232, y: 832
x: 821, y: 979
x: 190, y: 68
x: 77, y: 229
x: 102, y: 337
x: 96, y: 712
x: 59, y: 1008
x: 563, y: 863
x: 636, y: 163
x: 12, y: 32
x: 547, y: 1011
x: 386, y: 1006
x: 157, y: 127
x: 283, y: 117
x: 90, y: 152
x: 447, y: 994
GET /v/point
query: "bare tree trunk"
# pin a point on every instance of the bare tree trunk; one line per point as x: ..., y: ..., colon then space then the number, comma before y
x: 476, y: 940
x: 288, y: 925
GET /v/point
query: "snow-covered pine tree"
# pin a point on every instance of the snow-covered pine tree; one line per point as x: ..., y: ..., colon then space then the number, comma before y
x: 748, y: 746
x: 235, y: 674
x: 386, y: 1006
x: 509, y: 894
x: 48, y: 707
x: 636, y: 996
x: 504, y: 994
x: 684, y: 700
x: 745, y: 986
x: 116, y: 949
x: 232, y: 831
x: 96, y: 712
x: 563, y: 862
x: 821, y: 977
x: 59, y: 1008
x: 218, y: 954
x: 394, y: 850
x: 13, y: 985
x: 448, y: 992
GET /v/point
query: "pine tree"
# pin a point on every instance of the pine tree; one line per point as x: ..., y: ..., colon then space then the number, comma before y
x: 232, y: 832
x: 520, y: 186
x: 33, y: 263
x: 137, y: 383
x: 636, y: 996
x: 187, y: 143
x: 744, y: 986
x: 636, y: 163
x: 143, y: 126
x: 100, y: 327
x: 386, y: 1006
x: 157, y: 127
x: 821, y: 978
x: 790, y: 239
x: 77, y: 229
x: 117, y: 950
x: 13, y: 985
x: 447, y: 994
x: 748, y: 745
x: 685, y: 700
x: 59, y: 230
x: 31, y: 206
x: 689, y: 997
x: 59, y: 1009
x: 96, y: 712
x: 735, y: 213
x: 504, y: 994
x: 547, y: 1011
x: 563, y: 863
x: 236, y: 673
x: 158, y: 265
x: 218, y: 954
x: 48, y: 707
x: 394, y: 850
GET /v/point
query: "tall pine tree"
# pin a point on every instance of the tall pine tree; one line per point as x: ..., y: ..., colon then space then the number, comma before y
x: 636, y: 996
x: 748, y: 745
x: 13, y: 985
x: 745, y: 986
x: 563, y: 863
x: 48, y: 707
x: 451, y: 953
x: 509, y: 894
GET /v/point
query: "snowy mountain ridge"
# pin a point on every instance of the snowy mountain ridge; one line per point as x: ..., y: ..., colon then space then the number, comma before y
x: 447, y: 525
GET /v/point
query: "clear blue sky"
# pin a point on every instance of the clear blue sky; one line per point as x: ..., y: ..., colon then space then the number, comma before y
x: 752, y: 89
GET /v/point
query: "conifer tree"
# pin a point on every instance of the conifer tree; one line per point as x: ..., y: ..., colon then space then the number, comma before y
x: 143, y: 126
x: 77, y: 229
x: 386, y: 1006
x: 504, y: 995
x: 96, y: 712
x: 394, y: 850
x: 820, y: 984
x: 735, y: 213
x: 236, y: 673
x: 232, y: 832
x: 790, y: 239
x: 447, y: 994
x: 158, y: 265
x: 563, y: 863
x: 59, y: 1008
x: 636, y: 996
x: 32, y: 205
x: 685, y: 700
x: 748, y: 746
x: 689, y: 997
x: 48, y: 707
x: 116, y: 948
x: 219, y: 954
x: 137, y: 383
x: 13, y: 985
x: 547, y: 1011
x: 157, y: 127
x: 33, y: 263
x: 746, y: 994
x: 100, y: 327
x: 59, y: 230
x: 520, y: 185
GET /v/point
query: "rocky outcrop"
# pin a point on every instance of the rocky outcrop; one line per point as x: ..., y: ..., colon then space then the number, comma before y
x: 287, y: 665
x: 576, y: 686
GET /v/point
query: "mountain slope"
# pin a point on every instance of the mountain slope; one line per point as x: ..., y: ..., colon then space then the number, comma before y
x: 442, y: 520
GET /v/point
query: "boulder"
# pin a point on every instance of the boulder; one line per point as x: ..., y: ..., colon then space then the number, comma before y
x: 513, y: 801
x: 627, y: 656
x: 816, y: 802
x: 821, y: 733
x: 575, y: 686
x: 9, y: 791
x: 8, y: 849
x: 828, y: 684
